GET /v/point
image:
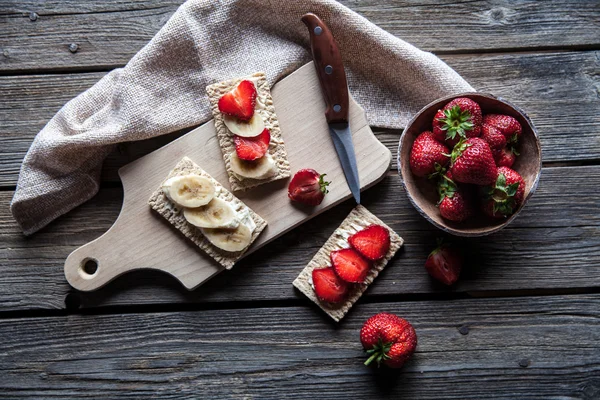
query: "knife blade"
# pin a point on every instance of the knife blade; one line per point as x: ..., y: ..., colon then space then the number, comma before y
x: 330, y: 70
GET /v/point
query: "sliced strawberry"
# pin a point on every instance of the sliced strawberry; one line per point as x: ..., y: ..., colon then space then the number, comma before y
x: 328, y: 286
x: 308, y: 187
x: 372, y: 242
x: 252, y: 148
x: 240, y: 101
x: 444, y: 263
x: 349, y: 265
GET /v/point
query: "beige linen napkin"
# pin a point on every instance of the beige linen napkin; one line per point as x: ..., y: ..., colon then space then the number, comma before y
x: 162, y: 88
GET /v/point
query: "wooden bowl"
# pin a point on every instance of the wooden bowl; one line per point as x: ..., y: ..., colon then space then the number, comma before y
x: 422, y: 192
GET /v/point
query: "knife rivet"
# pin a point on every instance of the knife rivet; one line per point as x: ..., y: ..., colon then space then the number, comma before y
x: 318, y: 30
x: 328, y: 69
x: 337, y: 108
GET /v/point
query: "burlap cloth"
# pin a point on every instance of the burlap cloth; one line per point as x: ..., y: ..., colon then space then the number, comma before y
x: 162, y: 88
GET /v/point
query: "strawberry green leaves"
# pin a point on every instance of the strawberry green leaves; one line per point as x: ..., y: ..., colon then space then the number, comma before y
x: 503, y: 195
x: 439, y: 170
x: 456, y: 122
x: 323, y: 184
x: 460, y: 147
x: 446, y: 188
x: 379, y: 353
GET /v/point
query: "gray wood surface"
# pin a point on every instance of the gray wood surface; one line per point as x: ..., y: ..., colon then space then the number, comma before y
x: 510, y: 347
x: 247, y: 333
x: 109, y: 33
x: 558, y: 90
x: 554, y: 244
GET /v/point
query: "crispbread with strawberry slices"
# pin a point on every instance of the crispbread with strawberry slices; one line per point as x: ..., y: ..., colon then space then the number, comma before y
x: 266, y: 110
x: 358, y: 219
x: 174, y: 214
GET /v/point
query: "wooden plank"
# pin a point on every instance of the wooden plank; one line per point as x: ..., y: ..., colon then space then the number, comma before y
x: 558, y: 90
x: 109, y: 33
x: 104, y: 39
x: 509, y: 348
x: 76, y: 7
x: 553, y: 244
x: 28, y: 102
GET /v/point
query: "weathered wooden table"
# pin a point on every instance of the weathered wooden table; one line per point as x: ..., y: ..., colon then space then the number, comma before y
x: 522, y: 323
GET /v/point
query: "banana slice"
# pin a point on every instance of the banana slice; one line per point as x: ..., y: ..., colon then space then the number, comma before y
x: 189, y: 190
x: 251, y: 128
x: 262, y: 168
x: 216, y: 214
x: 231, y: 240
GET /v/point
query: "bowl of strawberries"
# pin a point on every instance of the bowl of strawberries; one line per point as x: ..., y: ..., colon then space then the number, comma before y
x: 469, y: 163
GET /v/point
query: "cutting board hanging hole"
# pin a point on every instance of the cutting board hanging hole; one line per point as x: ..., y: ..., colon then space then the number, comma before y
x: 88, y: 268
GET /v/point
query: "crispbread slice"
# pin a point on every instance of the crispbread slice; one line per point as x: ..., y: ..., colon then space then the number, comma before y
x: 358, y: 219
x: 174, y: 214
x: 266, y: 110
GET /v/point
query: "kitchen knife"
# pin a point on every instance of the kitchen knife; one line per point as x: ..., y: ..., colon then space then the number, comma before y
x: 330, y: 70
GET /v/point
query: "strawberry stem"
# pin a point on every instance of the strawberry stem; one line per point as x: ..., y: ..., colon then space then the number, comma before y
x: 373, y: 357
x: 439, y: 170
x: 379, y: 353
x: 323, y: 184
x: 446, y: 188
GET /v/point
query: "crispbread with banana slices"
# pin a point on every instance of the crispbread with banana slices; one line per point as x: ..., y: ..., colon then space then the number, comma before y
x: 174, y: 214
x: 267, y: 111
x: 358, y: 219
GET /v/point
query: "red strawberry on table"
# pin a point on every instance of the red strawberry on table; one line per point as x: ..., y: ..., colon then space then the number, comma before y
x: 454, y: 204
x: 308, y: 187
x: 252, y: 148
x: 350, y: 265
x: 444, y: 263
x: 460, y: 118
x: 508, y: 126
x: 473, y: 162
x: 373, y: 242
x: 328, y: 286
x: 240, y: 101
x: 388, y: 339
x: 506, y: 195
x: 506, y: 157
x: 427, y: 155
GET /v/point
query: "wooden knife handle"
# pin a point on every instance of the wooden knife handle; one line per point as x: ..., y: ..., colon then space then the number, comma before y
x: 330, y: 68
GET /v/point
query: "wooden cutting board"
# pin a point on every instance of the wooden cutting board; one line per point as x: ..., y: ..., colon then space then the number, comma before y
x: 141, y: 239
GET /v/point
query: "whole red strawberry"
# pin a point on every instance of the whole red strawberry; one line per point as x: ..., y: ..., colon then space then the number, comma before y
x: 508, y: 126
x: 444, y: 263
x: 493, y: 137
x: 473, y: 162
x: 505, y: 196
x: 460, y: 118
x: 427, y: 154
x: 308, y: 187
x: 506, y: 157
x: 388, y: 339
x: 454, y: 204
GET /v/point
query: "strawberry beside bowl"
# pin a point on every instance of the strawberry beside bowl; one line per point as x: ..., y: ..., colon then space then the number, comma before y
x: 423, y: 193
